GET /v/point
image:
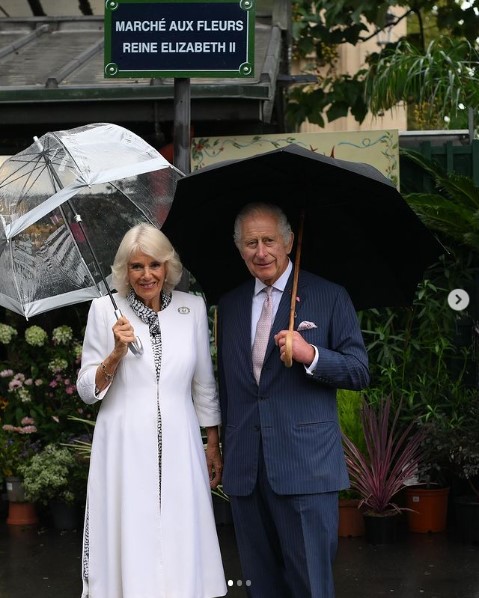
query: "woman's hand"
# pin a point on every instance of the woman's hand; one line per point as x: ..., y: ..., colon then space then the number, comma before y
x: 124, y: 334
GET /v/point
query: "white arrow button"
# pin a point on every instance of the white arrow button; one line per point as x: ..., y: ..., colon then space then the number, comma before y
x: 458, y: 299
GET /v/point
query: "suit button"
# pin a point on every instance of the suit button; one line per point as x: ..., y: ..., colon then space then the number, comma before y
x: 256, y: 428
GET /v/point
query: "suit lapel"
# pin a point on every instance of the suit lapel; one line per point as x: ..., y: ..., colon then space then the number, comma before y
x: 243, y: 322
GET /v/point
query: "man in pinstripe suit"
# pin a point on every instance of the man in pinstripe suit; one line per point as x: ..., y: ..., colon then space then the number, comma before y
x: 283, y: 458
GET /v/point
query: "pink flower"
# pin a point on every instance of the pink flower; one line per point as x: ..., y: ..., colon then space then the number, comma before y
x: 28, y: 430
x: 27, y: 421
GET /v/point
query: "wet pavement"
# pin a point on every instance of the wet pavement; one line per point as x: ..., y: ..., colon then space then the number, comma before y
x: 41, y: 562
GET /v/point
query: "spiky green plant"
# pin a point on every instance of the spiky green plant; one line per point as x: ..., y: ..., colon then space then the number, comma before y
x: 454, y: 209
x: 441, y: 78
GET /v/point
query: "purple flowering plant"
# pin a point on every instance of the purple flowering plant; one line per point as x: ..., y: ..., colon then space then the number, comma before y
x: 37, y: 380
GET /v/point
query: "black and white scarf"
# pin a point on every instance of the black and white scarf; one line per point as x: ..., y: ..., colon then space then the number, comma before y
x: 150, y: 317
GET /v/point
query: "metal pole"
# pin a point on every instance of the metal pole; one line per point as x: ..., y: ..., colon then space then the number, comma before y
x: 470, y: 122
x: 182, y: 124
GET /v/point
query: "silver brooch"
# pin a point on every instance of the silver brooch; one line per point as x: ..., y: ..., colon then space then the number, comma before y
x: 183, y: 310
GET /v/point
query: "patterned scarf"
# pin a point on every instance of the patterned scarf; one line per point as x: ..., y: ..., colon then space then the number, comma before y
x: 146, y: 314
x: 150, y: 317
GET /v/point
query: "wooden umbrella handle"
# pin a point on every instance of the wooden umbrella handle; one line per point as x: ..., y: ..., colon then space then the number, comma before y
x: 288, y: 348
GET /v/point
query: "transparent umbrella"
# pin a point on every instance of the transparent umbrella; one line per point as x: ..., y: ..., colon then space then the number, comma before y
x: 65, y: 203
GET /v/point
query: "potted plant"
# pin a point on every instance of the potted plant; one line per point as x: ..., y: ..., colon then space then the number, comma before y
x: 463, y: 446
x: 56, y: 477
x: 428, y: 497
x: 383, y: 469
x: 351, y: 521
x: 17, y: 446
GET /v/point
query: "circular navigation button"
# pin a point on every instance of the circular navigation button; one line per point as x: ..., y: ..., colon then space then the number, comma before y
x: 458, y: 299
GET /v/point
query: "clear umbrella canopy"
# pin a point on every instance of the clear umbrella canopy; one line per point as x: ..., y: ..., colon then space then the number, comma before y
x: 65, y: 203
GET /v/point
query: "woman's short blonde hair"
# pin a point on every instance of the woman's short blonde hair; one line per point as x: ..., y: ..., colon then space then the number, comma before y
x: 151, y: 241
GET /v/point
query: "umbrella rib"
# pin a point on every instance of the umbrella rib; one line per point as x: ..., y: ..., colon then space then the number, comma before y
x: 67, y: 151
x: 55, y: 179
x: 130, y: 199
x: 15, y: 281
x: 72, y: 237
x: 8, y: 180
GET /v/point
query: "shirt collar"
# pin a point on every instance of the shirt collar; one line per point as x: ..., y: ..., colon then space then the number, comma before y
x: 279, y: 285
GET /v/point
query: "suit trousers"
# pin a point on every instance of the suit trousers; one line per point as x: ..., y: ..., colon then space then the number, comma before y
x: 287, y: 543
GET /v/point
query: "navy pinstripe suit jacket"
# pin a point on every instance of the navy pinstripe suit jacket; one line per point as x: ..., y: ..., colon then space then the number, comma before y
x: 294, y: 415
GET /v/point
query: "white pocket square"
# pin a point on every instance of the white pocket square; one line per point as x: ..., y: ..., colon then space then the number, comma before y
x: 306, y: 326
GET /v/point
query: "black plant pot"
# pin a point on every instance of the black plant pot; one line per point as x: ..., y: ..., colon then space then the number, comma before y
x: 65, y: 516
x: 467, y: 518
x: 382, y: 528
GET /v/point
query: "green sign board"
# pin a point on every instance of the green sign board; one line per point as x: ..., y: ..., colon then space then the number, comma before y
x: 181, y: 38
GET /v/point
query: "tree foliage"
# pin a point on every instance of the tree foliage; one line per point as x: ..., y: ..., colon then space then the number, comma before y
x: 321, y: 26
x: 441, y: 79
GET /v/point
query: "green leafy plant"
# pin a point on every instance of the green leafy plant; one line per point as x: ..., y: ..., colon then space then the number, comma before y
x: 391, y: 457
x: 349, y: 413
x: 440, y: 78
x: 17, y: 446
x: 55, y: 473
x: 453, y: 209
x: 456, y: 437
x: 220, y: 493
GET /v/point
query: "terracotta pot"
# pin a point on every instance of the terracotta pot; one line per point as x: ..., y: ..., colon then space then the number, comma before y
x: 351, y: 520
x: 428, y: 509
x: 22, y: 513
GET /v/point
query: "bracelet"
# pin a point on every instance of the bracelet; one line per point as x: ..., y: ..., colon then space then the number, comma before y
x: 108, y: 376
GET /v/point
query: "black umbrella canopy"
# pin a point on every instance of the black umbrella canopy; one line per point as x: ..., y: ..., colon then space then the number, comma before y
x: 358, y: 229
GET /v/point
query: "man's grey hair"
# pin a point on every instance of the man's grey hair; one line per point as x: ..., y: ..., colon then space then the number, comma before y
x: 262, y: 208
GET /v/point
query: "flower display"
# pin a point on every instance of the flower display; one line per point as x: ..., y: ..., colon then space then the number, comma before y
x: 37, y: 380
x: 17, y: 445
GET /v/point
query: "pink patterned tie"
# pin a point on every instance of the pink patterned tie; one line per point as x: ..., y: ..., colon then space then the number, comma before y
x: 263, y: 328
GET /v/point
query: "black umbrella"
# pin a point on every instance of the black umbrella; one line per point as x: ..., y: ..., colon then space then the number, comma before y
x: 358, y: 229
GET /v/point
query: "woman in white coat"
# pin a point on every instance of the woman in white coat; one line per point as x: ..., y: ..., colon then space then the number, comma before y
x: 149, y: 525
